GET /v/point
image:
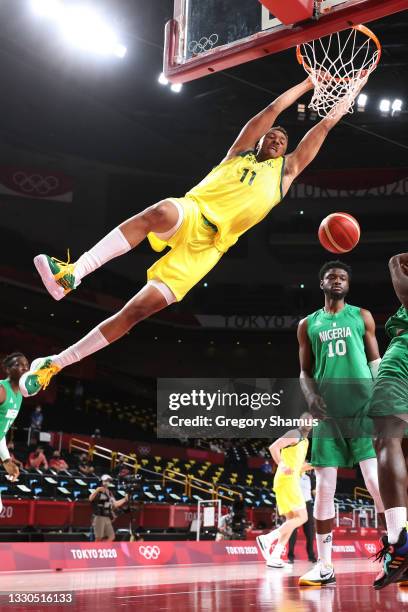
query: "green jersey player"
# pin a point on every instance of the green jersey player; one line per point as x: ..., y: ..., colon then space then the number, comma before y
x: 15, y: 365
x: 389, y: 410
x: 339, y: 355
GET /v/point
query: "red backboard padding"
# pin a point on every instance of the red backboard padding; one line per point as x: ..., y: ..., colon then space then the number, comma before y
x: 290, y: 12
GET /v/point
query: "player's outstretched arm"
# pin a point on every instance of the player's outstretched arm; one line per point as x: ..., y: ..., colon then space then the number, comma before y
x: 314, y: 401
x: 263, y: 121
x: 398, y: 266
x: 312, y: 142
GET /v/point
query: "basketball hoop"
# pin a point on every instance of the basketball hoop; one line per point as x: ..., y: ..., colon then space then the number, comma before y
x: 338, y: 65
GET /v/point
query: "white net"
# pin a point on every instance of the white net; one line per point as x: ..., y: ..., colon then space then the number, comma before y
x: 338, y: 65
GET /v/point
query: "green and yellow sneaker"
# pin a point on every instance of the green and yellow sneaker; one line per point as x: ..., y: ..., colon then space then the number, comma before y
x: 58, y: 276
x: 38, y: 376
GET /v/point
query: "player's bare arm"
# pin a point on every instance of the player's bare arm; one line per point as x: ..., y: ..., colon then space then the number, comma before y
x: 311, y: 144
x: 314, y: 401
x: 370, y: 340
x: 307, y: 150
x: 398, y: 266
x: 259, y: 125
x: 2, y: 394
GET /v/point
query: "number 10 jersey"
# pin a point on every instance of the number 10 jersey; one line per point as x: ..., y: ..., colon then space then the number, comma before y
x: 340, y: 362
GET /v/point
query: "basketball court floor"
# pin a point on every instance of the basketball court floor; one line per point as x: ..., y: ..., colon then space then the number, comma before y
x: 213, y: 588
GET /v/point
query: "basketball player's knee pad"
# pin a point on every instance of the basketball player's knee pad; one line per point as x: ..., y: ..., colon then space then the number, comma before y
x: 326, y: 479
x: 370, y: 475
x: 164, y: 290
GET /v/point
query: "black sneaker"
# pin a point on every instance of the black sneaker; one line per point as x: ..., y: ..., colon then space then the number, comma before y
x: 394, y: 558
x: 403, y: 580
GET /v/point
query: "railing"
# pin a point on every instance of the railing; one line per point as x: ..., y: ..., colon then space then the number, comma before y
x: 361, y: 492
x: 189, y: 482
x: 229, y: 493
x: 104, y: 453
x: 80, y: 445
x: 371, y: 510
x: 192, y: 483
x: 170, y: 475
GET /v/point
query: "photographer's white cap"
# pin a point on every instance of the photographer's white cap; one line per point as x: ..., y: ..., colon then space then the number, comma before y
x: 106, y: 477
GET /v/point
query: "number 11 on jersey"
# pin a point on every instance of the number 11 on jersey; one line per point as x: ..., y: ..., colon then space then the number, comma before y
x: 245, y: 174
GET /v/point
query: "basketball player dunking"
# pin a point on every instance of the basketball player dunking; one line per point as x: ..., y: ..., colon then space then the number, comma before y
x: 253, y: 177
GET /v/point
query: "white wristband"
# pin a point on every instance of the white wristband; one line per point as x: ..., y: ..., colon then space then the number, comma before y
x: 374, y: 367
x: 4, y: 454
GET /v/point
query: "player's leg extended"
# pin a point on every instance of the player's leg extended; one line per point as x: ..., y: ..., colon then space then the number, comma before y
x: 392, y: 477
x: 292, y: 544
x: 308, y: 530
x: 289, y: 499
x: 60, y: 278
x: 294, y: 519
x: 149, y: 300
x: 369, y: 469
x: 324, y: 512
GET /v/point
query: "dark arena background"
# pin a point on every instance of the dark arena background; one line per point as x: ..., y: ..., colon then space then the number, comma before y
x: 92, y: 133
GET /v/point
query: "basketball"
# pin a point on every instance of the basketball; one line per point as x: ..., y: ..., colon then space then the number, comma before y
x: 339, y: 232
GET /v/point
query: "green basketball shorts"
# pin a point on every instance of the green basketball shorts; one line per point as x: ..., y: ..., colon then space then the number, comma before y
x: 390, y: 395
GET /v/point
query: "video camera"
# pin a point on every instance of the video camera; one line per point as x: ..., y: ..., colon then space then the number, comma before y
x: 132, y: 484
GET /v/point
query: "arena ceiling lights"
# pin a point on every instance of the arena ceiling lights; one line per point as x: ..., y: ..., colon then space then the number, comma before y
x: 81, y: 26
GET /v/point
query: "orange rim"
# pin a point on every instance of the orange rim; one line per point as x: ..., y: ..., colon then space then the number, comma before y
x: 361, y: 28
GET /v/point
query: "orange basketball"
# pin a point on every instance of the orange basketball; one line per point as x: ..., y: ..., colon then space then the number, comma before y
x: 339, y: 232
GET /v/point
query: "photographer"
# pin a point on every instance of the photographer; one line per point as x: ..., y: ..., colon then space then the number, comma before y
x: 233, y: 526
x: 104, y: 504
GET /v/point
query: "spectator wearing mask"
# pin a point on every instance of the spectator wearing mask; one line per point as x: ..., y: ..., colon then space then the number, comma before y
x: 37, y: 418
x: 85, y: 466
x: 266, y: 467
x: 104, y: 505
x: 57, y: 463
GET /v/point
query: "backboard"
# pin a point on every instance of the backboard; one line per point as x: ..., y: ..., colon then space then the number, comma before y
x: 212, y: 35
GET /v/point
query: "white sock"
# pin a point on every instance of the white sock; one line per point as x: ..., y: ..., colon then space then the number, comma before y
x: 396, y: 519
x: 92, y: 342
x: 277, y: 551
x: 324, y: 547
x: 271, y: 536
x: 112, y: 245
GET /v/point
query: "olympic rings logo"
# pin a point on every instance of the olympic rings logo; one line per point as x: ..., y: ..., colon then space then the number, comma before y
x: 149, y: 552
x: 144, y: 450
x: 371, y: 548
x: 204, y: 44
x: 35, y: 183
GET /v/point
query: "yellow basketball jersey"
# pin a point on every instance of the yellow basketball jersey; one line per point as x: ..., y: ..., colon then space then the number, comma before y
x: 294, y: 456
x: 238, y: 194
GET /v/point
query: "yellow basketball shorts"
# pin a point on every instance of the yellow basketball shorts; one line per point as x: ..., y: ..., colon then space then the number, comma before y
x: 289, y: 495
x: 192, y: 253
